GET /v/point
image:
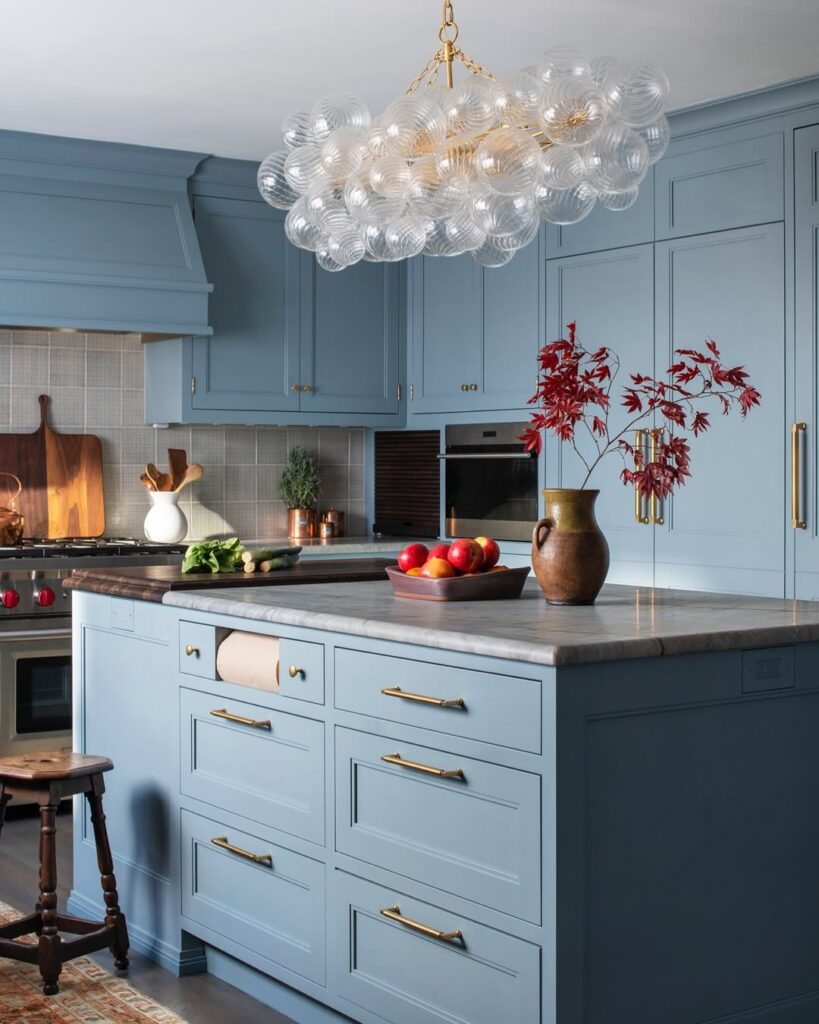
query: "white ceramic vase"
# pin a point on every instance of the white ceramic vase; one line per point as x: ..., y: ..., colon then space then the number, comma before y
x: 166, y: 522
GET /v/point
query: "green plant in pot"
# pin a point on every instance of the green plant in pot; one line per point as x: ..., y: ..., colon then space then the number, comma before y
x: 299, y: 487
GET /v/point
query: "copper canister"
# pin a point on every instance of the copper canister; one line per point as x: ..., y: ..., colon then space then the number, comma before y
x: 336, y: 517
x: 327, y: 529
x: 301, y: 523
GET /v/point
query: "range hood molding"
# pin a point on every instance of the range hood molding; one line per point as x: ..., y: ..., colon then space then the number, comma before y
x: 98, y: 236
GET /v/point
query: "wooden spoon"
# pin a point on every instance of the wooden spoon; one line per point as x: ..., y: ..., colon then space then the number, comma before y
x: 192, y: 473
x: 178, y: 464
x: 161, y: 480
x: 148, y: 482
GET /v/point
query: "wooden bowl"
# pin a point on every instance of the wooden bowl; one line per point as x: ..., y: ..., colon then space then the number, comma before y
x: 485, y: 586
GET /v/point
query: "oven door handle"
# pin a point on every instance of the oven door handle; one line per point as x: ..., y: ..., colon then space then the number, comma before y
x: 489, y: 455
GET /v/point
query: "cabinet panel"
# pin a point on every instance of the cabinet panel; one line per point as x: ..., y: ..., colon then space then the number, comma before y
x: 253, y: 356
x: 606, y: 229
x: 611, y: 296
x: 725, y: 529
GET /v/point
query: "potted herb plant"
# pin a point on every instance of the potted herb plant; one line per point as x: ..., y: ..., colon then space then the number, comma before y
x: 299, y: 487
x: 570, y: 555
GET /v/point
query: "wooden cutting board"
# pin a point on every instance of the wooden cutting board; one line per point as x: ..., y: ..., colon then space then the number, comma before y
x: 61, y: 476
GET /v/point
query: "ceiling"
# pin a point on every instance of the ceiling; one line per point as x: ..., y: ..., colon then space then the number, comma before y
x: 217, y: 76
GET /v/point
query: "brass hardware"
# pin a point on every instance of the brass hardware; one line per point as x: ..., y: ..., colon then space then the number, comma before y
x: 295, y: 387
x: 412, y: 392
x: 473, y: 387
x: 440, y: 773
x: 193, y: 385
x: 656, y: 518
x: 420, y: 698
x: 464, y: 387
x: 294, y: 671
x: 240, y: 720
x: 796, y: 522
x: 394, y: 914
x: 190, y: 651
x: 257, y: 858
x: 398, y: 392
x: 639, y: 445
x: 306, y: 389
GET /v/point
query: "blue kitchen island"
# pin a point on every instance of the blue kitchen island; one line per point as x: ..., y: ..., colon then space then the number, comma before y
x: 480, y: 813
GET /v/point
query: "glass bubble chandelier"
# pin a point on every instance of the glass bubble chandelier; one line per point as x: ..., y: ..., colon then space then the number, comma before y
x: 471, y: 166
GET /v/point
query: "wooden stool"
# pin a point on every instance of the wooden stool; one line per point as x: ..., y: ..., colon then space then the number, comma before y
x: 48, y: 777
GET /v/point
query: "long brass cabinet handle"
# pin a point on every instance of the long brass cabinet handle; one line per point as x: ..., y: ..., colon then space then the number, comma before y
x: 796, y: 458
x: 421, y: 698
x: 257, y: 858
x: 427, y: 769
x: 394, y: 914
x: 240, y: 719
x: 639, y: 513
x: 656, y: 517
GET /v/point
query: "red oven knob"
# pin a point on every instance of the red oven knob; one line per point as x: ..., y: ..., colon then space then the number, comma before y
x: 10, y: 598
x: 45, y: 597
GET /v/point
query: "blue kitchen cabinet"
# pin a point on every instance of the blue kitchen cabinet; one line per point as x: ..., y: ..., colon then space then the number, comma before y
x: 611, y: 297
x: 724, y: 530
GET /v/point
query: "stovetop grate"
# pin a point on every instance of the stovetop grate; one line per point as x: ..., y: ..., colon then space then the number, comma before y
x: 72, y: 547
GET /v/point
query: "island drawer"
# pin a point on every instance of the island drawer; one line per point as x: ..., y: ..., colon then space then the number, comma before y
x: 258, y: 895
x: 411, y: 967
x: 264, y: 765
x: 464, y: 826
x: 488, y: 706
x: 197, y: 649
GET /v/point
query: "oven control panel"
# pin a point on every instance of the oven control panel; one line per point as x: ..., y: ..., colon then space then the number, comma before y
x: 35, y: 592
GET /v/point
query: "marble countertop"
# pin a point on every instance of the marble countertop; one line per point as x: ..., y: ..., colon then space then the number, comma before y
x: 626, y: 622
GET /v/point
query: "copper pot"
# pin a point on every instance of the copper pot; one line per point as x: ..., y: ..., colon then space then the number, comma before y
x: 301, y: 523
x: 570, y: 555
x: 11, y: 522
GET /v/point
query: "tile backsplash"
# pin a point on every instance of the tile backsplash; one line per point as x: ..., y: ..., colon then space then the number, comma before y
x: 96, y: 386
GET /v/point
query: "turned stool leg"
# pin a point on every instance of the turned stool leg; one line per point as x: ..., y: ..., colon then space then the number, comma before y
x: 4, y: 799
x: 50, y: 954
x: 113, y: 915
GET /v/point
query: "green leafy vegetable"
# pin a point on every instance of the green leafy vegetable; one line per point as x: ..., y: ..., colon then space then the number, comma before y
x: 213, y: 556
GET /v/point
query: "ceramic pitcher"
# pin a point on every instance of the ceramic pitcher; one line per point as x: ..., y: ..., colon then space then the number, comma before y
x: 570, y: 555
x: 166, y: 522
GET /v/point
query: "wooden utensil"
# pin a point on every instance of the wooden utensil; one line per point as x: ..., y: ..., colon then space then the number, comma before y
x: 192, y: 473
x: 148, y: 482
x: 161, y: 480
x: 178, y: 464
x: 61, y: 475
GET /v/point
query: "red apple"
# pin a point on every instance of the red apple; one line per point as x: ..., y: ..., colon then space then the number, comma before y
x: 439, y: 551
x: 491, y: 551
x: 413, y: 556
x: 437, y: 569
x: 466, y: 555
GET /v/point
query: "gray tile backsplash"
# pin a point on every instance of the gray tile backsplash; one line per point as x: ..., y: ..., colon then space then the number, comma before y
x: 95, y: 383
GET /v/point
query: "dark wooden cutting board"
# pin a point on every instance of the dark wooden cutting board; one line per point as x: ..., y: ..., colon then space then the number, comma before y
x: 61, y: 475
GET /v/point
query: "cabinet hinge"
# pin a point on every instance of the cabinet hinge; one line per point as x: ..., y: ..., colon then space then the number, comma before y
x: 412, y: 392
x: 193, y: 385
x: 398, y: 392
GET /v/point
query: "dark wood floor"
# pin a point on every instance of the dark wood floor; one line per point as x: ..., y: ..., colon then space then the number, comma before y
x: 199, y: 999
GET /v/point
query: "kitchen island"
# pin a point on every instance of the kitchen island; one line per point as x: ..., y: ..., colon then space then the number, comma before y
x: 480, y: 812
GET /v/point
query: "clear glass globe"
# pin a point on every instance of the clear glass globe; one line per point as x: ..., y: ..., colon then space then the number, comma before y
x: 324, y: 202
x: 438, y: 241
x: 346, y: 246
x: 573, y: 112
x: 463, y: 232
x: 617, y: 159
x: 390, y: 177
x: 489, y: 255
x: 428, y: 195
x: 414, y: 126
x: 637, y: 94
x: 508, y: 160
x: 302, y: 167
x: 618, y: 200
x: 272, y: 183
x: 326, y: 261
x: 296, y: 130
x: 560, y: 63
x: 562, y: 166
x: 406, y: 237
x: 518, y: 99
x: 365, y: 205
x: 565, y: 205
x: 344, y: 152
x: 377, y: 138
x: 337, y: 110
x: 301, y: 229
x: 518, y: 239
x: 656, y: 136
x: 498, y: 214
x: 375, y: 241
x: 472, y: 106
x: 602, y: 68
x: 455, y: 161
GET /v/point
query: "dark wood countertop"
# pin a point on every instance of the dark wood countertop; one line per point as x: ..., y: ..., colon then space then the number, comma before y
x: 152, y: 582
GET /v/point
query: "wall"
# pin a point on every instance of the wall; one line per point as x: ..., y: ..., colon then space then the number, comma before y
x: 95, y: 382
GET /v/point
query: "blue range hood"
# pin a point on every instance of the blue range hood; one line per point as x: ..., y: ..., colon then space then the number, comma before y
x: 99, y: 237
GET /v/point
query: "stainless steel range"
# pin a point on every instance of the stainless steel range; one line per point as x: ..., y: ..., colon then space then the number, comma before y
x: 35, y: 631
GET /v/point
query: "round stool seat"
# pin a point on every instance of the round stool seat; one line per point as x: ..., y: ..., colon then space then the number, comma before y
x: 52, y: 766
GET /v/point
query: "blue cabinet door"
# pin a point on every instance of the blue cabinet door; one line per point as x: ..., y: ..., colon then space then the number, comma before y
x: 252, y: 360
x: 806, y: 325
x: 725, y: 529
x: 611, y: 297
x: 350, y: 339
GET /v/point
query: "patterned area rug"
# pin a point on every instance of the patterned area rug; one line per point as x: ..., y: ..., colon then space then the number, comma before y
x: 88, y: 995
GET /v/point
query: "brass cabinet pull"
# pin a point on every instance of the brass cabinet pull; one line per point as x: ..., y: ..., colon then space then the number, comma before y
x: 294, y: 671
x: 239, y: 720
x: 394, y: 914
x: 796, y: 522
x: 427, y: 769
x: 639, y: 514
x: 295, y: 387
x: 190, y: 651
x: 473, y: 387
x: 257, y: 858
x: 464, y: 387
x: 656, y: 518
x: 307, y: 389
x: 421, y: 698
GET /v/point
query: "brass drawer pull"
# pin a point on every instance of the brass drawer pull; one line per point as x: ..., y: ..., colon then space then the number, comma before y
x: 464, y: 387
x: 257, y: 858
x: 639, y: 445
x: 190, y: 651
x: 420, y: 698
x: 394, y: 914
x: 473, y: 387
x: 797, y: 523
x: 239, y: 720
x: 294, y: 671
x: 656, y: 517
x: 427, y: 769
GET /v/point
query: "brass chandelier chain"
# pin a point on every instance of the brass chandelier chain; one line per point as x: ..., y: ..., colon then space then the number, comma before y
x: 446, y: 55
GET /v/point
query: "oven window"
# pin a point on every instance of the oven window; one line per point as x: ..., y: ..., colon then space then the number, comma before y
x: 43, y: 694
x: 496, y: 496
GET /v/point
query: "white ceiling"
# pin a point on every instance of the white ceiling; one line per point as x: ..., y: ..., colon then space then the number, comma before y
x: 217, y: 76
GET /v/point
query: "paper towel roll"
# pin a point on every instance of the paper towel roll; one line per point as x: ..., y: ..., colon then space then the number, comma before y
x: 249, y: 659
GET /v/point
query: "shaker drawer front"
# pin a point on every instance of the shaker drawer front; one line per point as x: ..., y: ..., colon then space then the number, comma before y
x: 474, y: 831
x: 260, y: 895
x: 264, y: 765
x: 392, y: 968
x: 197, y: 650
x: 501, y: 709
x: 301, y: 670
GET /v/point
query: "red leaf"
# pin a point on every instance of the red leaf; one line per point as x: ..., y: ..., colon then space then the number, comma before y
x: 631, y: 400
x: 598, y: 426
x: 700, y: 423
